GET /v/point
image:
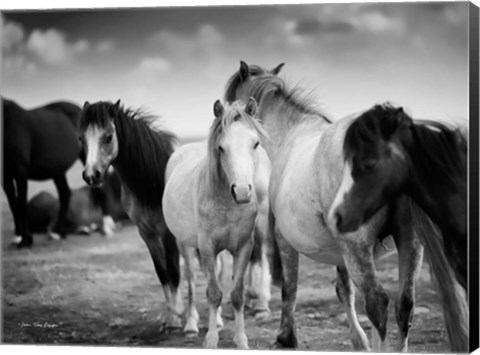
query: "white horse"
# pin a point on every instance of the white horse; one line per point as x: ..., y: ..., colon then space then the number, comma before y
x: 305, y: 150
x: 214, y: 195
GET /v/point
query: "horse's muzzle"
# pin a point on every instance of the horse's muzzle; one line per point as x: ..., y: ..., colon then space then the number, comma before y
x: 342, y: 223
x: 241, y: 194
x: 93, y: 178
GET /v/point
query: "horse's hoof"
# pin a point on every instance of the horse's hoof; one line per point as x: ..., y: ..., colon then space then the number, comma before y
x: 190, y: 333
x: 25, y: 243
x: 53, y: 236
x: 241, y: 342
x: 16, y: 240
x: 191, y: 327
x: 173, y: 322
x: 278, y: 345
x: 262, y: 314
x: 211, y: 343
x: 84, y: 230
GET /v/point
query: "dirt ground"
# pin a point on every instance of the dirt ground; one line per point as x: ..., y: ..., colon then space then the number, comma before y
x: 92, y: 290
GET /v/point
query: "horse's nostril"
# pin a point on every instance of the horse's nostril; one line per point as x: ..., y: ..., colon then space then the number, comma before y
x: 338, y: 219
x: 233, y: 191
x: 85, y: 177
x: 249, y: 187
x: 96, y: 174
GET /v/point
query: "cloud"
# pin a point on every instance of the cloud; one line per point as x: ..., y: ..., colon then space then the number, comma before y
x: 153, y: 66
x: 307, y: 27
x: 348, y: 19
x: 104, y: 46
x: 377, y: 22
x: 24, y: 51
x: 205, y: 43
x: 51, y: 48
x: 12, y: 36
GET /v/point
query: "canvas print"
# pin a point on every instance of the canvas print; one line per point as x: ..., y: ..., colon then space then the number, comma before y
x: 251, y: 177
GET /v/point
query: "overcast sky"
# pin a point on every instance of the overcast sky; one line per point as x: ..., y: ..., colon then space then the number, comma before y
x: 176, y: 61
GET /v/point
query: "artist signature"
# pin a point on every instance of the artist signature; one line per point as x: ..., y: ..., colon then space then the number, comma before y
x: 37, y: 325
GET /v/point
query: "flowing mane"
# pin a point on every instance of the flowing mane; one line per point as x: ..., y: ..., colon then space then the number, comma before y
x: 267, y: 86
x: 232, y: 112
x: 143, y: 150
x: 440, y: 149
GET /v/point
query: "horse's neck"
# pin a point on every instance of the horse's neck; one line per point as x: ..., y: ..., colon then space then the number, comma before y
x: 288, y: 124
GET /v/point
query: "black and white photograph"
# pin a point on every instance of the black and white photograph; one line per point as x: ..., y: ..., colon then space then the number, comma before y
x: 265, y: 176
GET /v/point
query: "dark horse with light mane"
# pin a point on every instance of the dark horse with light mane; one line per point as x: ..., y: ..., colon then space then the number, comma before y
x: 305, y: 149
x: 128, y: 140
x: 39, y: 144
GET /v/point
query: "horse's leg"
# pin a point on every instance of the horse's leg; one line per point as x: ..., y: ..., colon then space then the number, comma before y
x: 99, y: 199
x: 191, y: 326
x: 262, y: 310
x: 64, y: 198
x: 346, y: 295
x: 222, y: 279
x: 151, y: 235
x: 214, y: 294
x: 240, y: 262
x: 410, y: 256
x: 289, y: 265
x: 9, y: 188
x: 358, y: 257
x: 22, y: 211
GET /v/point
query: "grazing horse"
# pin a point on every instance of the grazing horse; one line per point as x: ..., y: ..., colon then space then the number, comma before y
x: 39, y: 144
x: 129, y: 141
x: 386, y: 154
x: 304, y: 148
x: 213, y: 194
x: 84, y: 215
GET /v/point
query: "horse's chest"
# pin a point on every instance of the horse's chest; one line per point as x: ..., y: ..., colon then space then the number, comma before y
x: 227, y: 227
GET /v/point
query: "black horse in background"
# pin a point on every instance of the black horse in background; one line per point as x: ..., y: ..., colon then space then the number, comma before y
x: 39, y: 144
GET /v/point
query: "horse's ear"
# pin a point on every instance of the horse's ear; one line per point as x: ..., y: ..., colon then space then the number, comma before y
x: 402, y: 118
x: 251, y: 108
x: 117, y: 104
x: 244, y: 71
x: 277, y: 69
x: 218, y: 109
x: 86, y: 105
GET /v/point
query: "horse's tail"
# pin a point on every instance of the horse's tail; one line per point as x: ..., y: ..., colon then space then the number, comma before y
x: 452, y: 296
x: 172, y: 254
x: 275, y: 261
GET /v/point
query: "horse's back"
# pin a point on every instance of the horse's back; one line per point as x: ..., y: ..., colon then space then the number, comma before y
x: 70, y: 110
x: 305, y: 180
x: 42, y: 140
x: 55, y: 144
x: 185, y: 157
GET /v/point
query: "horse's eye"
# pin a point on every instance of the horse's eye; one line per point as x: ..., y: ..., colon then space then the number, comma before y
x: 220, y: 149
x: 108, y: 139
x: 256, y: 145
x: 369, y: 164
